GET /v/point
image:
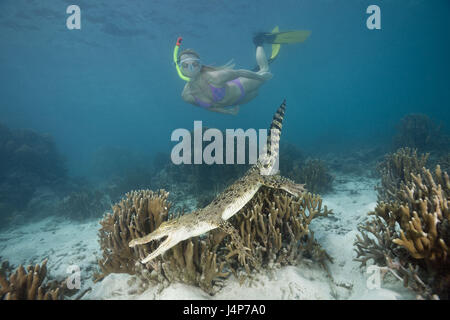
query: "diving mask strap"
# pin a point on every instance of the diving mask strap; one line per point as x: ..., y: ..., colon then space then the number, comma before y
x: 175, y: 58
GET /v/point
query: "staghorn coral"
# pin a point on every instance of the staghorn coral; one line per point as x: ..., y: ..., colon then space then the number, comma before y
x: 274, y: 225
x: 397, y: 168
x: 424, y: 219
x: 138, y: 213
x: 314, y: 174
x: 290, y: 157
x: 193, y: 261
x: 410, y: 236
x: 28, y: 284
x: 84, y: 204
x: 418, y: 131
x: 28, y: 161
x: 444, y: 162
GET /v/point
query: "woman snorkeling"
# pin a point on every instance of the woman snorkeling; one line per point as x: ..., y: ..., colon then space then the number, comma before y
x: 223, y: 89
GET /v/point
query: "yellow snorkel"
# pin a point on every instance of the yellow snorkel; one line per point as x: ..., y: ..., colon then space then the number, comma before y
x: 175, y: 60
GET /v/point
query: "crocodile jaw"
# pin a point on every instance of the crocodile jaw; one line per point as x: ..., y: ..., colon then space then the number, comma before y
x: 183, y: 233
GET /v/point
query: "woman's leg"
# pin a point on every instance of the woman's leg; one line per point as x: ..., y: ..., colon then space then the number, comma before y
x: 261, y: 60
x: 226, y: 110
x: 251, y: 86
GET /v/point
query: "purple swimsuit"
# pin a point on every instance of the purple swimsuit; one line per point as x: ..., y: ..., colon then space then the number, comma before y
x: 219, y: 93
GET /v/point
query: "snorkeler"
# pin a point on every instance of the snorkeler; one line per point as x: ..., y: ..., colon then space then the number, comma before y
x: 223, y: 89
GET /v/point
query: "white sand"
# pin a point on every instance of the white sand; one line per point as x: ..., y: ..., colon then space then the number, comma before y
x: 67, y: 243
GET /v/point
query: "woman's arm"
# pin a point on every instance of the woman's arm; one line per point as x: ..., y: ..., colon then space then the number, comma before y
x: 219, y: 77
x: 187, y: 96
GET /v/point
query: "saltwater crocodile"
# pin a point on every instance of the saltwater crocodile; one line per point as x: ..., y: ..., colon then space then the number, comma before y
x: 229, y: 202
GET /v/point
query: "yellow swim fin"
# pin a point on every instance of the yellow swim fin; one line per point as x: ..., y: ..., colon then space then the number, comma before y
x: 295, y: 36
x: 275, y: 47
x: 277, y: 38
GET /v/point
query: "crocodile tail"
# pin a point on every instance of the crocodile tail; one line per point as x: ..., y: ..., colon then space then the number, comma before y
x: 273, y: 141
x: 269, y: 162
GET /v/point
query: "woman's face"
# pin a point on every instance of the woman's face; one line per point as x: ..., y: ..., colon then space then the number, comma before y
x: 190, y: 65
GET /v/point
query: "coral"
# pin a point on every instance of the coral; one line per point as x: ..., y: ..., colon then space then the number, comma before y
x: 5, y: 268
x: 28, y: 160
x: 444, y: 162
x: 193, y: 261
x: 395, y: 169
x: 31, y: 153
x: 84, y: 204
x: 274, y: 225
x: 424, y: 219
x: 290, y: 157
x: 418, y: 131
x: 139, y: 213
x: 314, y: 174
x: 410, y: 235
x: 28, y: 284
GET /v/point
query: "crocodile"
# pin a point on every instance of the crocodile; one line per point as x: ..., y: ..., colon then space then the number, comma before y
x: 229, y: 202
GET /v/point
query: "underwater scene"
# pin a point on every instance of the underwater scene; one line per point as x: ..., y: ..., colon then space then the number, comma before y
x: 224, y: 150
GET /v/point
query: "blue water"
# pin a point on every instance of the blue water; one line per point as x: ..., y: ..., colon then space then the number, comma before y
x: 113, y: 82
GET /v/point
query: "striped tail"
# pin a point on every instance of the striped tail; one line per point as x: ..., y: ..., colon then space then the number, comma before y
x: 269, y: 162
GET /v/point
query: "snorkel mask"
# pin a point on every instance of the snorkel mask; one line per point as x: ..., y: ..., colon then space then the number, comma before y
x: 189, y: 66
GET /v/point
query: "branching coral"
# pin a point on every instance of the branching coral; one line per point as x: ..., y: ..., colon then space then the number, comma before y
x: 395, y: 169
x: 28, y: 160
x: 84, y: 204
x: 420, y: 132
x: 28, y: 284
x: 139, y: 213
x: 290, y: 157
x: 314, y: 174
x: 424, y: 214
x: 444, y: 162
x: 274, y: 225
x: 197, y: 262
x: 410, y: 236
x: 193, y: 261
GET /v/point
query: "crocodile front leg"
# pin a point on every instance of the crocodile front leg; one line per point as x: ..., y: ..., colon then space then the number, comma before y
x: 279, y: 182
